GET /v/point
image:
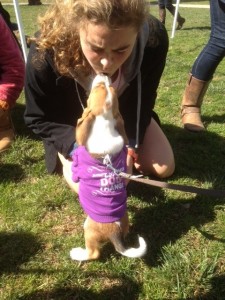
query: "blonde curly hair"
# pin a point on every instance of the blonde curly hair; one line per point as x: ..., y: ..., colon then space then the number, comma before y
x: 59, y: 28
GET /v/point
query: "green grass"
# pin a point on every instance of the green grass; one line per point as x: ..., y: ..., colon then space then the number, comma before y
x: 41, y: 220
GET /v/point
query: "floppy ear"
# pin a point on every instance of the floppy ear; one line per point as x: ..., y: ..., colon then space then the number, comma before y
x: 84, y: 125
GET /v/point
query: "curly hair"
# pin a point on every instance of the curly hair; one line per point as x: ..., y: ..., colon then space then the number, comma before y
x: 59, y: 28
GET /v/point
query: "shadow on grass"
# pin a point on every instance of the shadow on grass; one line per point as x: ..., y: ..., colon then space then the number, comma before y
x: 215, y: 119
x: 18, y: 121
x: 125, y: 288
x: 217, y: 288
x: 11, y: 173
x: 196, y: 28
x: 15, y: 250
x: 200, y: 158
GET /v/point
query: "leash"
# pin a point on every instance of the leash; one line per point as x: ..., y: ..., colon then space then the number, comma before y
x: 177, y: 187
x: 166, y: 185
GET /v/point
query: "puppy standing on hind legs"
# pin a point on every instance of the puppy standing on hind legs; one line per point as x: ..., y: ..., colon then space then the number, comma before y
x: 102, y: 141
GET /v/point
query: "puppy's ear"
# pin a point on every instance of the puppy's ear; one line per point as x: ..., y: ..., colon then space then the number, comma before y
x: 84, y: 125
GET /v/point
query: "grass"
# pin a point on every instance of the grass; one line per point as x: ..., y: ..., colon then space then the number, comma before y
x: 41, y: 220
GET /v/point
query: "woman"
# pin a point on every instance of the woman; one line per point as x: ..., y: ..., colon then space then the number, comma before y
x: 79, y: 39
x: 203, y: 69
x: 12, y: 69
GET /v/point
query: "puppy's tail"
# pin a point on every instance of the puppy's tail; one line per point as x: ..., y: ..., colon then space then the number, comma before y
x: 130, y: 252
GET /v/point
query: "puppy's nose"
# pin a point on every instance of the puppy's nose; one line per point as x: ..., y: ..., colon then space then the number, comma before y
x: 103, y: 61
x: 101, y: 78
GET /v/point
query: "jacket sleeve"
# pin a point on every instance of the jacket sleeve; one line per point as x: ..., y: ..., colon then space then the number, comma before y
x: 12, y: 66
x: 49, y: 111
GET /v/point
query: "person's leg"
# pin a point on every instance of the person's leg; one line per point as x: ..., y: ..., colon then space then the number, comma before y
x: 171, y: 8
x: 212, y: 54
x: 162, y: 11
x: 7, y: 134
x: 203, y: 70
x: 155, y: 154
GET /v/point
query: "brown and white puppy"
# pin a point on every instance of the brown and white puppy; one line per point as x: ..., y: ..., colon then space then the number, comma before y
x: 101, y: 131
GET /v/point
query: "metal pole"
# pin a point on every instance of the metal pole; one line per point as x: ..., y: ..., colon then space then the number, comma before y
x: 21, y: 31
x: 175, y: 19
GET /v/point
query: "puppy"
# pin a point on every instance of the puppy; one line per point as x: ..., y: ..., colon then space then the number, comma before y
x: 102, y: 153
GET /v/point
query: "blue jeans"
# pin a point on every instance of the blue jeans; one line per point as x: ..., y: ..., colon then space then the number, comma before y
x: 214, y: 51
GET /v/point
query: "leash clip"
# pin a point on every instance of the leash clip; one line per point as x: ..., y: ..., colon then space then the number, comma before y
x: 107, y: 161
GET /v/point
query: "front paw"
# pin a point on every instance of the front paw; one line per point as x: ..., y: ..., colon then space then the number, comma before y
x: 79, y: 254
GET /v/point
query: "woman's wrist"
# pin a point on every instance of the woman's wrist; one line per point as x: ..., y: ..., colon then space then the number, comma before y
x: 132, y: 153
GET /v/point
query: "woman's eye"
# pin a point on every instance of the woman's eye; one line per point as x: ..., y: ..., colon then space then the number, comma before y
x: 97, y: 50
x: 121, y: 51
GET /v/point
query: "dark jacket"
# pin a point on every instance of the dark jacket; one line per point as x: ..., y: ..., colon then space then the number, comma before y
x: 53, y: 104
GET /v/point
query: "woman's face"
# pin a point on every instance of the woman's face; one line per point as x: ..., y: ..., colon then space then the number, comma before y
x: 106, y: 49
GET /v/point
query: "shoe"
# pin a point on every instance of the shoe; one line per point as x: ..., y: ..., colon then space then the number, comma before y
x: 14, y: 26
x: 181, y: 22
x: 191, y: 103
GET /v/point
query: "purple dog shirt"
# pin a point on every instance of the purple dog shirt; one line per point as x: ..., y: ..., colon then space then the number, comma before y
x: 102, y: 193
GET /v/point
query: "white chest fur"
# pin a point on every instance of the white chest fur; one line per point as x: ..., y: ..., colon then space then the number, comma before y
x: 104, y: 138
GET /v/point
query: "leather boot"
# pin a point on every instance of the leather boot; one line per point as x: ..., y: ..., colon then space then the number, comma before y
x: 6, y: 129
x: 180, y: 21
x: 162, y: 15
x: 191, y: 104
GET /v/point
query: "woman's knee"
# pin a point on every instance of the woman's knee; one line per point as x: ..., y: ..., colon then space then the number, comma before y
x: 165, y: 170
x: 157, y: 170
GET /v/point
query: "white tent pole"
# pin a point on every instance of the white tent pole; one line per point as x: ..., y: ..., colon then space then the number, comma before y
x: 20, y: 26
x: 175, y: 19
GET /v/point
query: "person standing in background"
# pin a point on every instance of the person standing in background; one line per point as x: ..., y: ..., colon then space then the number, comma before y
x: 203, y: 69
x: 7, y: 18
x: 168, y: 4
x: 34, y: 2
x: 12, y: 73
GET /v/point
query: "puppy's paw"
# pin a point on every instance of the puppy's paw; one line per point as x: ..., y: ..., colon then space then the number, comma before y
x: 79, y: 254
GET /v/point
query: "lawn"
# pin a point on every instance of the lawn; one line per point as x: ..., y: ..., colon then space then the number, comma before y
x: 41, y: 220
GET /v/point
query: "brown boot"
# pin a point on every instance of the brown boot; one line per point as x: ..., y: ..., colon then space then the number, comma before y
x: 162, y: 15
x: 191, y: 104
x: 6, y: 130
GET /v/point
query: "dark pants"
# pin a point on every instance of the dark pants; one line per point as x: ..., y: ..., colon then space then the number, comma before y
x: 168, y: 4
x: 214, y: 51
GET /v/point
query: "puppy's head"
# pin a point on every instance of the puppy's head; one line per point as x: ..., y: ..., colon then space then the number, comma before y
x: 101, y: 101
x: 102, y: 97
